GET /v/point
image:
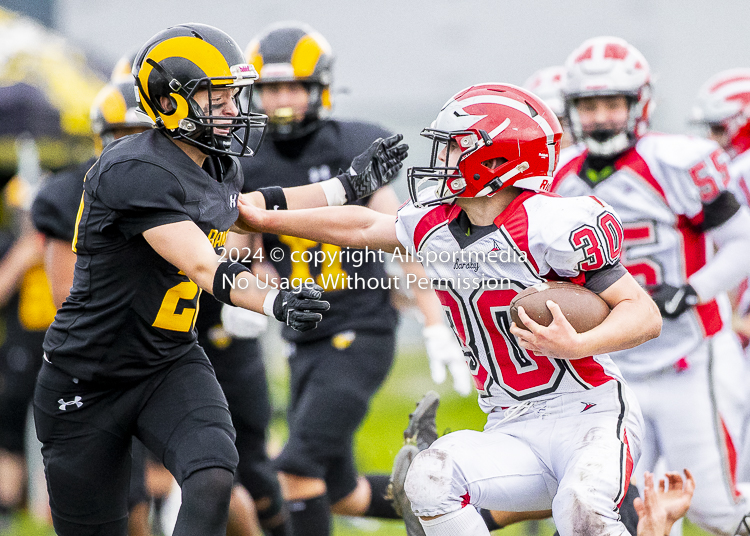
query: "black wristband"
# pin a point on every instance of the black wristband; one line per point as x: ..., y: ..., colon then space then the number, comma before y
x: 274, y: 196
x: 224, y: 280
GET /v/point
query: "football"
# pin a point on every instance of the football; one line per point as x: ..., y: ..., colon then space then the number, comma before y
x: 583, y: 308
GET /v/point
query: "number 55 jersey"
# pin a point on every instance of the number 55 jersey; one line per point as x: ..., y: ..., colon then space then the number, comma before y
x: 477, y: 271
x: 668, y: 190
x: 130, y: 310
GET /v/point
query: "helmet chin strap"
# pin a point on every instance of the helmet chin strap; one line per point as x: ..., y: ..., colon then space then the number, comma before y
x: 609, y: 147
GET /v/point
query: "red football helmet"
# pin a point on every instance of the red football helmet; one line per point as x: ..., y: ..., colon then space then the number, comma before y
x: 506, y: 136
x: 724, y: 104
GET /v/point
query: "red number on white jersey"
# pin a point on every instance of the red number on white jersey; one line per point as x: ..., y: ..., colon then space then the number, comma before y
x: 521, y: 373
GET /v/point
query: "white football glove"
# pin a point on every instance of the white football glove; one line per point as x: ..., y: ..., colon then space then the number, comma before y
x: 444, y: 351
x: 243, y: 323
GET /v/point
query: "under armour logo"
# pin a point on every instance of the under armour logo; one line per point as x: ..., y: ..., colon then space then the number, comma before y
x: 76, y: 401
x: 587, y: 405
x: 232, y: 200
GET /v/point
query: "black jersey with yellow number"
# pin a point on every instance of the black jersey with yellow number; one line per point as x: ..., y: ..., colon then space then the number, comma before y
x: 314, y: 158
x: 129, y: 309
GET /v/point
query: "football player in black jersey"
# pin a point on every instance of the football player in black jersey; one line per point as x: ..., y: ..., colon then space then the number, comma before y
x: 237, y: 361
x: 121, y: 358
x: 336, y: 369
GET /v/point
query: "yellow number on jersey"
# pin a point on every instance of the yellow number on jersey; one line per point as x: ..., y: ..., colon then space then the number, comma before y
x: 168, y: 318
x: 332, y: 276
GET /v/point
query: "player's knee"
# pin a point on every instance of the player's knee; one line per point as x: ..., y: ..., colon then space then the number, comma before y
x: 428, y: 482
x: 208, y: 489
x: 576, y: 512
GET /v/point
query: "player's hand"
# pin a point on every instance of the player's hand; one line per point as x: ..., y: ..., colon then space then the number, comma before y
x: 676, y: 495
x: 660, y: 509
x: 242, y: 323
x: 251, y: 216
x: 559, y: 339
x: 374, y: 168
x: 673, y: 301
x: 443, y: 351
x: 301, y: 307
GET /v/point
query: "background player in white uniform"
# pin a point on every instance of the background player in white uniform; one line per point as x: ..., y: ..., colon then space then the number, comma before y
x: 723, y: 105
x: 547, y: 84
x: 670, y: 193
x: 564, y: 431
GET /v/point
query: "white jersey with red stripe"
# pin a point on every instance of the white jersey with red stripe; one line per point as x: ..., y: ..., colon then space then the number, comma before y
x: 659, y: 188
x: 538, y: 237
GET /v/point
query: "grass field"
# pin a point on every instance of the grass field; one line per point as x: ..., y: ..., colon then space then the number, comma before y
x: 378, y: 441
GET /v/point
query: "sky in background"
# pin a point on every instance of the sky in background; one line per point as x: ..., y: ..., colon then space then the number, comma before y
x: 398, y: 61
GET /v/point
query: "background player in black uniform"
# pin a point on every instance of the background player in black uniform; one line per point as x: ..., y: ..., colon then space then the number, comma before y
x: 121, y: 358
x: 26, y: 309
x: 336, y: 369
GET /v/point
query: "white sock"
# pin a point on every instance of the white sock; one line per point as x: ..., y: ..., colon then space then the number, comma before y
x: 465, y: 521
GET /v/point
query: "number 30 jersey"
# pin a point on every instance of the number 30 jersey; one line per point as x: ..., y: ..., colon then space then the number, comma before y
x: 660, y: 189
x: 538, y: 237
x: 129, y: 309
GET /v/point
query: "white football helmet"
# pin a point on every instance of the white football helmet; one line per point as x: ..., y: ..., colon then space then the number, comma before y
x: 724, y: 103
x: 547, y: 84
x: 603, y: 66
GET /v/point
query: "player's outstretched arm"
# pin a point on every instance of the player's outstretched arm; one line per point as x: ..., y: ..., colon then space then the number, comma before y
x: 352, y: 226
x: 633, y: 320
x: 369, y: 171
x: 185, y: 246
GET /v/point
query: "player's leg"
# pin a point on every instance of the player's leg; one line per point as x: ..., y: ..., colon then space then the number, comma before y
x: 593, y: 454
x: 331, y: 388
x: 185, y: 422
x: 138, y: 498
x: 365, y: 364
x: 19, y: 365
x: 693, y: 435
x: 86, y: 450
x: 241, y: 373
x: 467, y: 469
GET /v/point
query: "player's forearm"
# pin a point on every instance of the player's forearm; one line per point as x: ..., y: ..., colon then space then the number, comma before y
x: 632, y: 321
x: 249, y: 292
x: 340, y: 226
x: 307, y: 196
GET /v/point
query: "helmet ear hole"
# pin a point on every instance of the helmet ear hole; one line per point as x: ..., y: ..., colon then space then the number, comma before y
x: 494, y: 163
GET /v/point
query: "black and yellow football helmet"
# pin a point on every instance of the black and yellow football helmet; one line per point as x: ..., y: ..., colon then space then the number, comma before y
x: 180, y: 61
x: 115, y: 108
x: 293, y: 52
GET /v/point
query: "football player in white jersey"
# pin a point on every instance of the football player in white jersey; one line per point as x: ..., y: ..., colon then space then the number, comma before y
x: 563, y: 429
x: 723, y: 106
x: 670, y: 193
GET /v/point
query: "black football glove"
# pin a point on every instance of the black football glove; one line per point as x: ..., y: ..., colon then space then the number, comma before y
x: 300, y: 307
x: 374, y: 168
x: 673, y: 301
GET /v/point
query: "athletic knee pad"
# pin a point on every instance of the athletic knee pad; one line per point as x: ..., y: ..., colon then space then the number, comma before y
x: 428, y: 483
